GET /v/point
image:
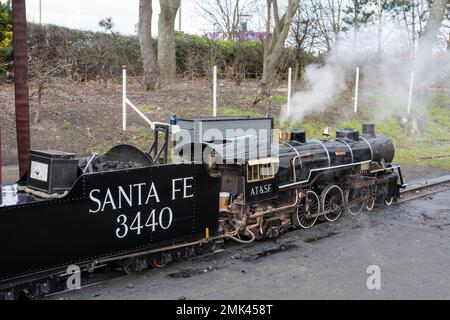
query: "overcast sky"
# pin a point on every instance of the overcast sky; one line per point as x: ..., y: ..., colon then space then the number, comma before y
x: 85, y: 14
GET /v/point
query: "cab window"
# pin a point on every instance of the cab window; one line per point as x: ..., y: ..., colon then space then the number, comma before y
x: 260, y: 172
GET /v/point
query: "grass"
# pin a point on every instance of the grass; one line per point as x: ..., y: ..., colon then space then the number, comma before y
x: 280, y: 100
x: 101, y: 148
x: 246, y: 99
x: 147, y: 108
x: 236, y: 112
x: 433, y: 117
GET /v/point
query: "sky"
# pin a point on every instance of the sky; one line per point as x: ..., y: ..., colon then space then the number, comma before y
x: 85, y: 14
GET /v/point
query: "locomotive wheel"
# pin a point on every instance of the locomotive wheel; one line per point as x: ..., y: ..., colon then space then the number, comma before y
x: 179, y: 257
x: 389, y: 201
x: 332, y: 199
x: 158, y: 263
x: 370, y: 205
x: 351, y: 195
x: 128, y: 269
x: 302, y: 217
x: 133, y: 266
x: 183, y: 254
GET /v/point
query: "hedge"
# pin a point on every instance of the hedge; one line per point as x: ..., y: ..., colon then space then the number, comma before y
x: 85, y: 55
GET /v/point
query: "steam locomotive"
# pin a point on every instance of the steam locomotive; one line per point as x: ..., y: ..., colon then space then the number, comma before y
x: 71, y: 215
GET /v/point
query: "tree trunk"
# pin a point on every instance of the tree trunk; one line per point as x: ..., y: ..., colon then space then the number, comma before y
x: 431, y: 30
x: 275, y: 47
x: 297, y: 74
x: 267, y: 36
x: 166, y: 40
x: 148, y: 52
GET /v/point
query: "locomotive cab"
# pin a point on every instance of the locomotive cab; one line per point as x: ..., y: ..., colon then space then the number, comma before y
x: 260, y: 179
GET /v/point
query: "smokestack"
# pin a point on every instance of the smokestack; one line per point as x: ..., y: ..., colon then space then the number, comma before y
x: 368, y: 129
x: 21, y: 83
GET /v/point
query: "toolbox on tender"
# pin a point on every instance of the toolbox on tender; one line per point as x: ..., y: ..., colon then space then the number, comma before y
x: 52, y: 171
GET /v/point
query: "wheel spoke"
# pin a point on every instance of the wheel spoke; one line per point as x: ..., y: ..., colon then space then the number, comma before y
x: 332, y: 199
x: 389, y: 201
x: 304, y: 218
x: 353, y: 195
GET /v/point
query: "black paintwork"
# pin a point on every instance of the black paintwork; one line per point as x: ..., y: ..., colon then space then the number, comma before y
x: 320, y: 155
x: 39, y: 235
x: 259, y: 191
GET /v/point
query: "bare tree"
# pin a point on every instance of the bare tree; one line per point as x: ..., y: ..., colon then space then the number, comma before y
x: 148, y: 51
x: 225, y: 14
x: 445, y: 34
x: 413, y: 14
x: 437, y: 13
x: 329, y: 14
x: 274, y: 44
x: 166, y: 40
x: 108, y: 25
x: 303, y: 36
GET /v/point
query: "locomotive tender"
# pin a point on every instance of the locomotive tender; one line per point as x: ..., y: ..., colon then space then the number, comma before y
x: 127, y: 207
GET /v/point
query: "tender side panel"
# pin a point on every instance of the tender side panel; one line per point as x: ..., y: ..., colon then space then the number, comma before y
x: 109, y: 214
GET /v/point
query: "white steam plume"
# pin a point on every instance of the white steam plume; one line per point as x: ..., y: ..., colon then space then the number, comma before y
x: 386, y: 74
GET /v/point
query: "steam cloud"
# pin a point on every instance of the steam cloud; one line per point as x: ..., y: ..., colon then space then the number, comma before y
x: 384, y: 72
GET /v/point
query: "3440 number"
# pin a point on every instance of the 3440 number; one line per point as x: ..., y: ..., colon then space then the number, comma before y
x: 163, y: 219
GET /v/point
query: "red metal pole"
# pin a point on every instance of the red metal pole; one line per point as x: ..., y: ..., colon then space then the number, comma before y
x: 1, y: 163
x: 21, y: 83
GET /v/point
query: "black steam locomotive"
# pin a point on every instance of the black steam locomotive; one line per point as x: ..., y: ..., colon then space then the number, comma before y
x: 132, y: 209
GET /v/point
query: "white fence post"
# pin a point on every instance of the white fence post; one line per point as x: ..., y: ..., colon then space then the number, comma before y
x: 127, y: 103
x: 356, y: 90
x: 124, y: 98
x: 289, y: 92
x: 215, y: 91
x: 411, y: 86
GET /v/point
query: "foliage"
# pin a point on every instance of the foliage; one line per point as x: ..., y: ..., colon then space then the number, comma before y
x: 237, y: 112
x: 358, y: 12
x: 192, y: 53
x: 85, y: 55
x: 196, y: 55
x: 81, y: 55
x: 6, y: 48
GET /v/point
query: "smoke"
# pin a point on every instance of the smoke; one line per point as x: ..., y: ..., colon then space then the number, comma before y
x: 385, y: 73
x: 324, y: 82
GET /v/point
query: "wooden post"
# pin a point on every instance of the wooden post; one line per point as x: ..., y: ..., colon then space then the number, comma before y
x: 21, y: 83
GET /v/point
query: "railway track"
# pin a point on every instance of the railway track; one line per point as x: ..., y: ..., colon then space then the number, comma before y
x: 424, y: 188
x: 414, y: 191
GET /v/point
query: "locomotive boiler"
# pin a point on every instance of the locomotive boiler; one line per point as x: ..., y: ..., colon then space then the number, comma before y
x: 230, y: 179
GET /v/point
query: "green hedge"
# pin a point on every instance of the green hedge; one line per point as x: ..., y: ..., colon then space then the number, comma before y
x: 85, y: 55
